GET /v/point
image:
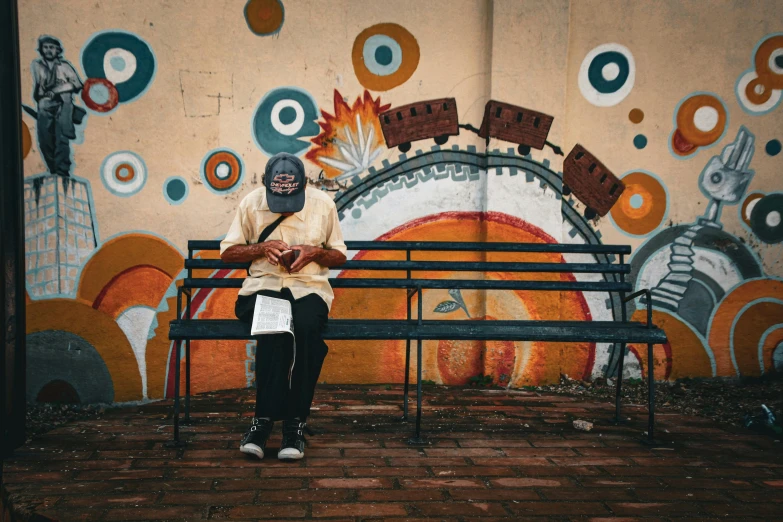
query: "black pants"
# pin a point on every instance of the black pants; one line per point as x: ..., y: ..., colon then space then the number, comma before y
x: 274, y: 353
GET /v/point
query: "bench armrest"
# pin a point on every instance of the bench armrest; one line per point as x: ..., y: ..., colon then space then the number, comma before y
x: 645, y: 292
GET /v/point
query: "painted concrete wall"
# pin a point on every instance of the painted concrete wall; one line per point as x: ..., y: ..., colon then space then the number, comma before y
x: 177, y: 107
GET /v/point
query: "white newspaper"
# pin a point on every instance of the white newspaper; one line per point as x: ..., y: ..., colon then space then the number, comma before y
x: 273, y: 316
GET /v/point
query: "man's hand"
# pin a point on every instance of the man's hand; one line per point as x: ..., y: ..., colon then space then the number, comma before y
x: 307, y: 254
x: 272, y: 250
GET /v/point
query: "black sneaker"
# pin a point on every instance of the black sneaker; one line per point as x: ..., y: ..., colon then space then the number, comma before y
x: 293, y: 444
x: 254, y: 439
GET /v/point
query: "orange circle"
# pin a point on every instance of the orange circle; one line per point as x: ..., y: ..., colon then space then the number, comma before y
x: 761, y: 96
x: 687, y: 126
x: 772, y: 80
x: 210, y: 170
x: 27, y: 141
x: 124, y: 178
x: 642, y: 219
x: 264, y: 17
x: 745, y: 212
x: 636, y: 115
x: 530, y: 362
x: 410, y: 57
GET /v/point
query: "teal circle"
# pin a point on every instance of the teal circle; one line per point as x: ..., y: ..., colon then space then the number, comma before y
x: 636, y: 201
x: 356, y: 213
x: 117, y: 63
x: 640, y: 141
x: 176, y: 189
x: 287, y: 115
x: 773, y: 147
x: 384, y: 55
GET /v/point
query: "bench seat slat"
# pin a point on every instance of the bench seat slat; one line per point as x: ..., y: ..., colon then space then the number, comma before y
x: 557, y: 331
x: 595, y: 268
x: 445, y: 246
x: 583, y: 286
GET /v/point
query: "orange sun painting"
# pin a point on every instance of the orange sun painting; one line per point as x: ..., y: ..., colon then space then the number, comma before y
x: 351, y: 139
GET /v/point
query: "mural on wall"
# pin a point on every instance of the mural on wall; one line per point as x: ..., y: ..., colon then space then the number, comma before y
x: 99, y: 311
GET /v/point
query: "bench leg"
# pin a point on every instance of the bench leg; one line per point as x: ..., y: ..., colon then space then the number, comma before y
x: 618, y: 392
x: 650, y: 396
x: 416, y: 439
x: 176, y: 443
x: 405, y: 388
x: 187, y: 383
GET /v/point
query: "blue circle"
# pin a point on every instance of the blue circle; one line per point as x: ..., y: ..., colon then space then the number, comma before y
x: 779, y: 61
x: 287, y: 115
x: 356, y: 213
x: 640, y: 141
x: 595, y: 72
x: 773, y: 147
x: 384, y: 55
x: 99, y: 93
x: 175, y: 190
x: 94, y: 52
x: 636, y: 201
x: 118, y: 63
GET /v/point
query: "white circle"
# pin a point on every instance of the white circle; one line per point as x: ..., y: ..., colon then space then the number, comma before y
x: 705, y: 118
x: 223, y: 171
x: 748, y: 105
x: 116, y: 76
x: 371, y: 45
x: 772, y: 65
x: 773, y: 219
x: 123, y: 188
x: 609, y: 99
x: 287, y: 129
x: 610, y: 71
x: 750, y: 206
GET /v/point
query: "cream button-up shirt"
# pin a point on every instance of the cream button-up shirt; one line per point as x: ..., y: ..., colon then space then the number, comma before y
x: 316, y: 224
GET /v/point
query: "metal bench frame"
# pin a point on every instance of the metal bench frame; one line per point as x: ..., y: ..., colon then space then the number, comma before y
x: 408, y: 329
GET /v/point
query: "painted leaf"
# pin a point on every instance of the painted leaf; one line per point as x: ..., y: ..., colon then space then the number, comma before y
x: 446, y: 307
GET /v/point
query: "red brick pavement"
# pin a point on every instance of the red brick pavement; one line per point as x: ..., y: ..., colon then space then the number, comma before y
x: 491, y: 455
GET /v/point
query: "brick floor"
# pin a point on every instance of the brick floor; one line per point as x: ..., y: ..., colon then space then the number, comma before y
x: 491, y: 455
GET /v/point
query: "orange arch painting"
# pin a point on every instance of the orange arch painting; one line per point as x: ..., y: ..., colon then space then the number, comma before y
x: 98, y: 329
x: 139, y: 285
x: 683, y: 356
x: 453, y: 362
x: 121, y: 253
x: 723, y: 319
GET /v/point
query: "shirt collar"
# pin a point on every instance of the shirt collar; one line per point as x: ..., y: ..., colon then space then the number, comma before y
x: 262, y: 205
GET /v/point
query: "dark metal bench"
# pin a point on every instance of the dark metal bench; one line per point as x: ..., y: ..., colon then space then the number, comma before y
x: 418, y: 330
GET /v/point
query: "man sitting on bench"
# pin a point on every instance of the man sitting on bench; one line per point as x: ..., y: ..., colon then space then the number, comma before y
x: 285, y: 214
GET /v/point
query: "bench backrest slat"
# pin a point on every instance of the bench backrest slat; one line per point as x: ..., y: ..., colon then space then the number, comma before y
x: 448, y: 246
x: 583, y: 286
x: 479, y: 266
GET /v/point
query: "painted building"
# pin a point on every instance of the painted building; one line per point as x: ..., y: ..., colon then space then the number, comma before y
x: 654, y: 124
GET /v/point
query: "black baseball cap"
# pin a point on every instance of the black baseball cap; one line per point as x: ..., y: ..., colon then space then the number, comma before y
x: 285, y: 183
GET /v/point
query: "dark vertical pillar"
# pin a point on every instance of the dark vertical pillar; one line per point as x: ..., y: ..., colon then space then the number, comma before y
x: 12, y: 361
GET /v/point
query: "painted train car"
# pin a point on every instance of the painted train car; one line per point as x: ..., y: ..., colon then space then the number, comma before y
x: 419, y: 121
x: 525, y: 127
x: 591, y: 182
